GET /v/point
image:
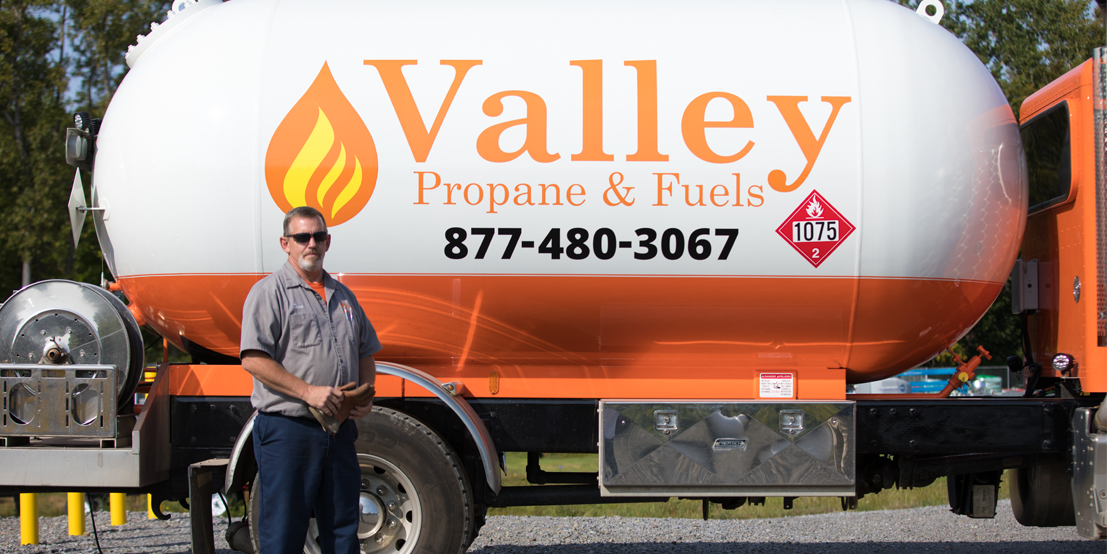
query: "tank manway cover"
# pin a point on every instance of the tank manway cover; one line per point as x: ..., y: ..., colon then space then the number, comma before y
x: 815, y: 229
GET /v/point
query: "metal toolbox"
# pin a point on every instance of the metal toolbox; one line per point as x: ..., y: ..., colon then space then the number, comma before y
x: 651, y: 448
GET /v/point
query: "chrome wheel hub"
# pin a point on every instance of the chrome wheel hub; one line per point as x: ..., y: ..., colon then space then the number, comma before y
x: 390, y: 518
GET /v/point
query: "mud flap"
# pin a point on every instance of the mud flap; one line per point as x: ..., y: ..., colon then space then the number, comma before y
x: 974, y: 494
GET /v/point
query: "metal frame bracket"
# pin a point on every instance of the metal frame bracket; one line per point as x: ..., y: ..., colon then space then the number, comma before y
x: 1089, y: 476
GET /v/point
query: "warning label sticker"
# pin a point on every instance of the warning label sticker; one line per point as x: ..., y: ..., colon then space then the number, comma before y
x: 777, y: 385
x: 815, y: 229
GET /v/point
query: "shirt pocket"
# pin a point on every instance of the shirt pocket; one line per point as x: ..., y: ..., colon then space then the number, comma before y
x: 304, y: 330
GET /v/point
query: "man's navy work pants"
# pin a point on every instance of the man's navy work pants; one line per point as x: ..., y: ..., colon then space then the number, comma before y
x: 305, y: 470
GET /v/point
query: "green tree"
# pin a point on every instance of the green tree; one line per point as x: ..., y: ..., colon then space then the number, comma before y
x: 1026, y: 44
x: 32, y: 78
x: 101, y: 32
x: 45, y: 46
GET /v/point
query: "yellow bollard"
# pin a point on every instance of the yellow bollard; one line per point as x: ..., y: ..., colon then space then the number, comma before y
x: 118, y: 504
x: 28, y: 518
x: 76, y: 513
x: 150, y: 507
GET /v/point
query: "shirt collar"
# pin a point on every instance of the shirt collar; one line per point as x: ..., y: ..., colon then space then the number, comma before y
x: 291, y: 279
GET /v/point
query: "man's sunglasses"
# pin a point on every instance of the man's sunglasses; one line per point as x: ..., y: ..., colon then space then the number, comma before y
x: 303, y: 238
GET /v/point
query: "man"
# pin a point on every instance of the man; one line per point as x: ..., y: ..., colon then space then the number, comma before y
x: 304, y: 336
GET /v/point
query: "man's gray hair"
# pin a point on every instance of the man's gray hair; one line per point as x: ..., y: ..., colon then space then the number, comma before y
x: 305, y: 212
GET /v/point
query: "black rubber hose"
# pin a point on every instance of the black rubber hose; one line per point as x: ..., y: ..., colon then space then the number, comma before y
x: 92, y: 516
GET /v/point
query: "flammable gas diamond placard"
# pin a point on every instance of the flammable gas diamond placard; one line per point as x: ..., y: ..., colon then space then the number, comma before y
x: 815, y: 229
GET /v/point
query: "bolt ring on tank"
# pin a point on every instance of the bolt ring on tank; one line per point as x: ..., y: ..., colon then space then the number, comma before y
x: 65, y: 322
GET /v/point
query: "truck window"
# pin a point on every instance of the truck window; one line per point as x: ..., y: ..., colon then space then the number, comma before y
x: 1048, y: 159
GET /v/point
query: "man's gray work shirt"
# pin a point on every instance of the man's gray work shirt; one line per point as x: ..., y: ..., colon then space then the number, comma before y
x: 321, y: 344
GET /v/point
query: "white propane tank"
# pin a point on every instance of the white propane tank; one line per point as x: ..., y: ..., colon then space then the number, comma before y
x: 548, y: 184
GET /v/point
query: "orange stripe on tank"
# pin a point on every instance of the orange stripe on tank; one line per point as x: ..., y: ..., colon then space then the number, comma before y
x: 233, y: 380
x: 691, y: 326
x: 555, y: 382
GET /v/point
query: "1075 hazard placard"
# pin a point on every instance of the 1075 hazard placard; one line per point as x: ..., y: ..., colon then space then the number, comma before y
x: 815, y: 229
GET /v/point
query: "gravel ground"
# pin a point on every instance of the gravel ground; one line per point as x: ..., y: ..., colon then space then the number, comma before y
x: 138, y: 535
x: 916, y: 530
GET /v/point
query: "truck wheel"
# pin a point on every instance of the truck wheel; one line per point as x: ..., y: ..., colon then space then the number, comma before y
x: 415, y: 495
x: 1041, y: 496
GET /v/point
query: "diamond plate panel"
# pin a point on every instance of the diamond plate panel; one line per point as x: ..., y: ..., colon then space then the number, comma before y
x: 727, y: 449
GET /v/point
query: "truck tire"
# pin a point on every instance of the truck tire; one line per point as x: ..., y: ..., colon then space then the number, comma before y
x: 410, y: 473
x: 1041, y: 496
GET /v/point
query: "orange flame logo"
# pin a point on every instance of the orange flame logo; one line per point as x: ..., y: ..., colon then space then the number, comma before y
x: 322, y: 155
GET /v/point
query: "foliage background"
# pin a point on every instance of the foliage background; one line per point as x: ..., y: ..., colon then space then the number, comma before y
x: 56, y: 58
x: 60, y: 57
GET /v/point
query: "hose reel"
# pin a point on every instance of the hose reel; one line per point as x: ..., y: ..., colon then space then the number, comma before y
x: 57, y: 323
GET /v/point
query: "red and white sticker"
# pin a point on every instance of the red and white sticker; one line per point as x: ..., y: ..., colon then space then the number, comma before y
x: 815, y: 229
x: 777, y: 385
